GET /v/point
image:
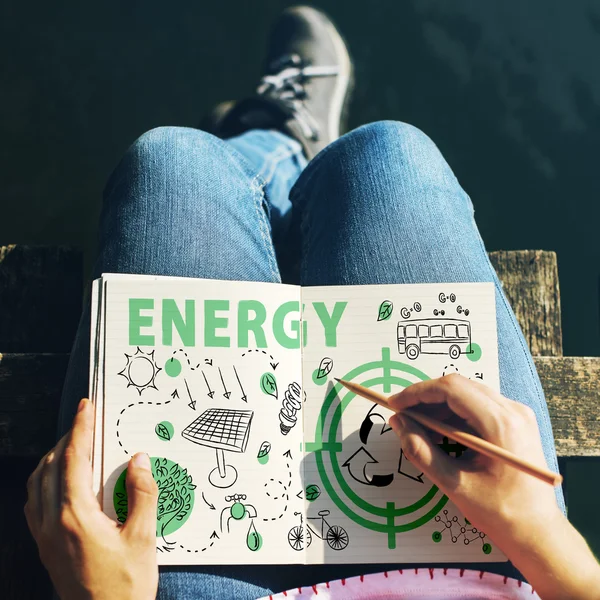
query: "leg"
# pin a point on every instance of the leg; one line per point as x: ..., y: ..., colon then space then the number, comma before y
x: 185, y: 203
x: 381, y: 205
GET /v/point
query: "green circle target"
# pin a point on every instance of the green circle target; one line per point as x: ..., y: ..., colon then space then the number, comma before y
x: 326, y: 443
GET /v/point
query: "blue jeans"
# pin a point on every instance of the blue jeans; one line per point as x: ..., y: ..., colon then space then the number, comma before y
x: 379, y: 205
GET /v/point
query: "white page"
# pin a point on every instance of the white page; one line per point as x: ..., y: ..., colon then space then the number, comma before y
x: 380, y: 508
x: 164, y: 382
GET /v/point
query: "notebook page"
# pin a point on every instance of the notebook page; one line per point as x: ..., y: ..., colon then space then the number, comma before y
x: 205, y: 377
x: 365, y: 501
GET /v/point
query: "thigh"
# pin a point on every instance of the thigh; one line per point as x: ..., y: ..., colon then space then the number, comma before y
x: 381, y: 205
x: 182, y: 203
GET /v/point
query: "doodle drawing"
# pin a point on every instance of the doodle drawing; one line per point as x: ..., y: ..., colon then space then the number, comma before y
x: 141, y: 370
x: 221, y: 429
x: 434, y: 336
x: 300, y: 536
x: 456, y: 531
x: 263, y: 453
x: 238, y: 511
x: 291, y: 405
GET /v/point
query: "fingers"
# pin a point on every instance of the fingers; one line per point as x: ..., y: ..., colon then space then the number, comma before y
x: 76, y: 465
x: 142, y: 496
x: 423, y: 453
x: 50, y: 487
x: 468, y: 400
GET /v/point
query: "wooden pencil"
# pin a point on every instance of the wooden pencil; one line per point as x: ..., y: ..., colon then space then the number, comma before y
x: 466, y: 439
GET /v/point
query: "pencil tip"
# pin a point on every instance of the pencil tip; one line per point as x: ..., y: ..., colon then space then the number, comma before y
x: 338, y: 380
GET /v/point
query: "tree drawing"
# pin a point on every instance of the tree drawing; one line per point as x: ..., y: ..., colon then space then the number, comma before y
x: 175, y: 497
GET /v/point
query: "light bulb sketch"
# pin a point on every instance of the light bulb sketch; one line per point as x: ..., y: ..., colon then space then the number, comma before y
x: 291, y: 405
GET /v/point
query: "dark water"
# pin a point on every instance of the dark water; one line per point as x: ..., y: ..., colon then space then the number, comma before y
x: 510, y: 92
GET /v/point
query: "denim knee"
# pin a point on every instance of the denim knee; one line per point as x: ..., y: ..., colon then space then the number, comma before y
x: 176, y: 154
x: 385, y: 159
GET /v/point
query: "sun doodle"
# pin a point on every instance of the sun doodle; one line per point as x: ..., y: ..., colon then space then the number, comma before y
x: 141, y: 370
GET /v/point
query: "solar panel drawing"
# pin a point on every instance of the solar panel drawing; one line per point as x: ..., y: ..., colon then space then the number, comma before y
x: 224, y: 429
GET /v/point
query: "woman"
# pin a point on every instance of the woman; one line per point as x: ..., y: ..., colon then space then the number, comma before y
x: 273, y: 190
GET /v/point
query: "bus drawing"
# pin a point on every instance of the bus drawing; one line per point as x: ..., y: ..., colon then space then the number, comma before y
x: 434, y: 336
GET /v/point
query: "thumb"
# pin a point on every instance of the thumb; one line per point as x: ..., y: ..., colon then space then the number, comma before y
x: 423, y: 453
x: 142, y: 496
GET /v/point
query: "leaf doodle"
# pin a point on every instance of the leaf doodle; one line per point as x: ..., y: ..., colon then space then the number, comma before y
x: 268, y: 384
x: 265, y: 448
x: 325, y: 367
x: 385, y: 310
x: 313, y: 491
x: 164, y: 430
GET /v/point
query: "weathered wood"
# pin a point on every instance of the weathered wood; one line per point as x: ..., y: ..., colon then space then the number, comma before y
x: 22, y: 576
x: 30, y: 388
x: 571, y: 385
x: 40, y: 298
x: 530, y: 282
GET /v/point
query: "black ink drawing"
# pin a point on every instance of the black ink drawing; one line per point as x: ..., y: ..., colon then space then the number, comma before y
x: 278, y: 484
x: 434, y: 336
x: 313, y: 491
x: 214, y: 537
x: 268, y: 384
x: 221, y: 429
x: 452, y: 448
x: 237, y: 511
x: 187, y: 358
x: 122, y: 411
x: 271, y: 359
x: 449, y: 369
x: 442, y: 297
x: 385, y: 310
x: 406, y: 312
x: 437, y: 312
x: 300, y: 536
x: 369, y: 421
x: 175, y: 394
x: 263, y: 451
x: 244, y: 397
x: 325, y: 367
x: 210, y: 392
x: 291, y: 404
x: 192, y: 402
x: 211, y: 506
x: 461, y: 310
x: 141, y: 370
x: 226, y: 392
x: 357, y: 469
x: 456, y: 531
x: 407, y: 469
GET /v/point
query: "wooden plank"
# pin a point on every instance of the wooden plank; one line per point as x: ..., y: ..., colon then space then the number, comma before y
x: 40, y: 298
x: 22, y: 576
x: 530, y: 282
x: 573, y: 396
x: 30, y: 389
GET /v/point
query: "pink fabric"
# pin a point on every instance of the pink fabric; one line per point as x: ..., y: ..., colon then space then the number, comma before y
x: 432, y: 584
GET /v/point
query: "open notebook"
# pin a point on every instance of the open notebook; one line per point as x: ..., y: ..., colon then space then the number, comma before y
x: 260, y: 457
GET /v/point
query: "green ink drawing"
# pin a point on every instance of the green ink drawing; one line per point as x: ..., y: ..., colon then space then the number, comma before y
x: 474, y: 352
x: 385, y: 310
x: 164, y: 430
x: 325, y: 367
x: 172, y: 367
x: 268, y: 384
x: 312, y: 492
x: 263, y: 453
x: 253, y: 539
x: 175, y: 496
x: 436, y: 536
x: 487, y: 548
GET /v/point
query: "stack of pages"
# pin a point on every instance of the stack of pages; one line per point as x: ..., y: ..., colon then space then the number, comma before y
x: 259, y: 454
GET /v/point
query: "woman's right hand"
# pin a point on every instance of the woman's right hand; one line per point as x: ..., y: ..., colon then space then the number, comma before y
x: 498, y: 499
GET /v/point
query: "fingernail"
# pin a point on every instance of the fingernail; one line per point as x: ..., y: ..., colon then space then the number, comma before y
x: 142, y: 461
x: 82, y: 404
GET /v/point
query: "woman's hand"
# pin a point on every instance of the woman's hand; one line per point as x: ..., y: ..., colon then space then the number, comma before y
x: 494, y: 496
x: 519, y: 512
x: 86, y: 553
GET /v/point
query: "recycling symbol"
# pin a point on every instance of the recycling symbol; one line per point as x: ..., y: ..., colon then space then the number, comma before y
x: 357, y: 463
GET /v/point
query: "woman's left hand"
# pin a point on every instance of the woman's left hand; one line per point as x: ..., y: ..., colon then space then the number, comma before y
x: 87, y: 554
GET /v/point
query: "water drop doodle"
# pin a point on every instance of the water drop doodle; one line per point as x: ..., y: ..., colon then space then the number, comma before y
x: 292, y: 403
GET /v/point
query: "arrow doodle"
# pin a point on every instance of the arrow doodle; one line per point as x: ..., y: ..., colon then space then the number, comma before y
x: 192, y: 403
x: 418, y: 477
x: 376, y: 480
x: 213, y: 537
x: 244, y: 397
x: 274, y: 365
x: 368, y: 422
x: 288, y: 454
x: 175, y: 394
x: 211, y: 506
x: 227, y: 393
x: 211, y: 393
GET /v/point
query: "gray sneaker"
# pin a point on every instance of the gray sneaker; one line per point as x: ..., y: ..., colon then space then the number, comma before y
x: 306, y: 87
